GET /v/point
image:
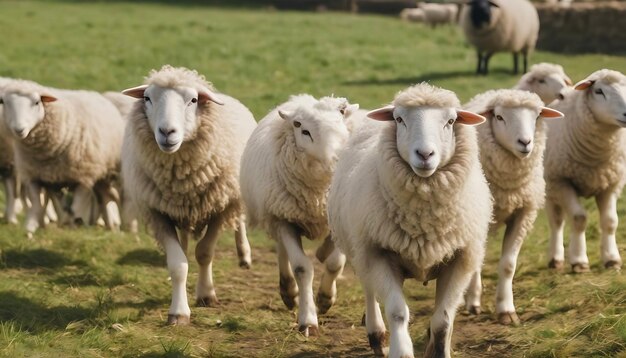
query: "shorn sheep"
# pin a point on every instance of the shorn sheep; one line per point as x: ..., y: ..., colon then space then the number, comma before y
x: 585, y: 157
x: 547, y: 80
x: 180, y: 164
x: 285, y: 174
x: 500, y: 25
x: 63, y: 138
x: 409, y: 200
x: 511, y: 143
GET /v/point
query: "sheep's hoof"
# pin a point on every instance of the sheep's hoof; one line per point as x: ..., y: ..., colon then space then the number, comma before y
x: 613, y: 265
x: 580, y: 268
x: 324, y: 302
x: 177, y: 320
x: 475, y: 310
x: 556, y: 264
x: 377, y: 343
x: 245, y: 264
x: 508, y: 318
x: 309, y: 330
x: 208, y: 301
x: 287, y: 286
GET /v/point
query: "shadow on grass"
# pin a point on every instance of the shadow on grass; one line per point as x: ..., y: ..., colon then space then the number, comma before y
x: 142, y: 257
x: 431, y: 76
x: 36, y: 258
x: 36, y: 318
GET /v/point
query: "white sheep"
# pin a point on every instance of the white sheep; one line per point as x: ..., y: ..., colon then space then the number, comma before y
x: 285, y: 173
x: 180, y: 165
x: 63, y: 138
x: 511, y: 143
x: 585, y: 157
x: 500, y: 25
x: 413, y: 15
x: 409, y: 199
x: 438, y: 14
x: 547, y: 80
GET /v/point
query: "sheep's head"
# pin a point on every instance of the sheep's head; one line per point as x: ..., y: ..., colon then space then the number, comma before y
x: 606, y: 96
x: 513, y: 116
x: 483, y: 13
x: 24, y: 109
x: 172, y: 111
x: 547, y: 80
x: 319, y: 127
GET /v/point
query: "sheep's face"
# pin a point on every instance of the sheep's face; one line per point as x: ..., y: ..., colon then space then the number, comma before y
x: 22, y: 112
x: 318, y: 133
x: 172, y: 112
x: 607, y: 101
x: 514, y: 128
x: 425, y: 135
x: 551, y: 87
x: 483, y: 13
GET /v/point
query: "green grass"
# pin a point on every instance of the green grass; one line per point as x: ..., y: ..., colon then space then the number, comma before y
x: 92, y: 293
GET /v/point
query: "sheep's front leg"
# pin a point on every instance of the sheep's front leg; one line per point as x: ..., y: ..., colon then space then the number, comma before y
x: 452, y: 281
x: 556, y: 222
x: 205, y: 251
x: 333, y: 267
x: 287, y: 283
x: 474, y: 294
x: 165, y: 234
x: 10, y: 189
x: 109, y: 200
x: 578, y: 216
x: 607, y: 206
x: 82, y: 204
x: 243, y: 245
x: 374, y: 323
x: 35, y: 213
x: 303, y: 272
x: 513, y: 239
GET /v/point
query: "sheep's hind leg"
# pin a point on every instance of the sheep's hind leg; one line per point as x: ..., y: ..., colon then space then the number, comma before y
x: 474, y: 293
x: 243, y: 245
x: 303, y: 272
x: 109, y: 199
x: 287, y: 283
x: 452, y: 281
x: 35, y: 213
x: 205, y: 252
x: 515, y: 62
x: 165, y: 233
x: 556, y: 222
x: 333, y: 267
x: 607, y: 206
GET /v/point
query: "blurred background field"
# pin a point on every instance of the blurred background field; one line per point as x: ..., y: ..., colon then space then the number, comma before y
x: 92, y: 293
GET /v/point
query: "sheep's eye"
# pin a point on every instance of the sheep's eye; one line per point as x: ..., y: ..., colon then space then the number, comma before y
x: 451, y: 121
x: 499, y: 117
x: 399, y: 120
x: 542, y: 81
x: 342, y: 111
x: 297, y: 124
x: 36, y: 103
x: 194, y: 100
x: 599, y: 91
x: 147, y: 99
x: 306, y: 132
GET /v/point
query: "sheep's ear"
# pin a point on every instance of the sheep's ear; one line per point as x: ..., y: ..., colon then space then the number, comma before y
x: 382, y: 114
x: 47, y: 98
x: 583, y: 85
x: 285, y: 114
x: 487, y: 113
x: 135, y: 92
x: 550, y: 113
x: 568, y: 81
x: 469, y: 118
x: 349, y: 110
x: 205, y: 95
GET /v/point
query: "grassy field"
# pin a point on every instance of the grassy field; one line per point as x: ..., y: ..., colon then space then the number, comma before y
x: 93, y: 293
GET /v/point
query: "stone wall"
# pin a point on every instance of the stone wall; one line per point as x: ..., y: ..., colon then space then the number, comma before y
x: 583, y: 27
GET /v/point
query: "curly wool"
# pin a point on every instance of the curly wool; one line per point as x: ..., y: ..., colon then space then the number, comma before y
x: 77, y: 142
x: 588, y: 155
x: 514, y: 183
x: 171, y: 77
x: 425, y: 94
x: 545, y: 69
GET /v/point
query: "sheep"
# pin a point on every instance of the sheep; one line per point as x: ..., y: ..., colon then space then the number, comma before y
x: 413, y: 15
x: 500, y: 25
x: 62, y: 138
x: 511, y: 143
x: 437, y: 14
x: 285, y: 173
x: 409, y: 199
x: 548, y: 80
x: 11, y: 195
x: 180, y: 164
x: 585, y: 157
